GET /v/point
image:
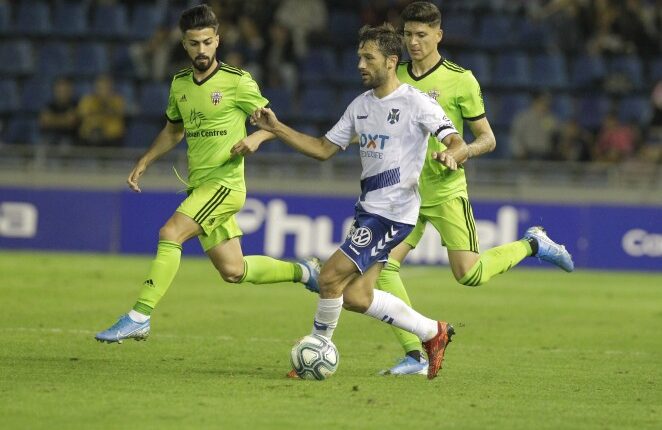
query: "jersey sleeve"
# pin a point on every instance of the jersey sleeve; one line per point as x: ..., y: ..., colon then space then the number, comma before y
x: 470, y: 98
x: 172, y: 110
x: 431, y: 117
x: 341, y: 134
x: 249, y: 98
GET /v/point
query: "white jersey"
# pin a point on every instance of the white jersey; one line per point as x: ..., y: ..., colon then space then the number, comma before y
x: 393, y: 134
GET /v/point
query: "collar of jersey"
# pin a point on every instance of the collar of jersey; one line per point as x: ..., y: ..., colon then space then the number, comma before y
x: 410, y: 72
x: 218, y: 67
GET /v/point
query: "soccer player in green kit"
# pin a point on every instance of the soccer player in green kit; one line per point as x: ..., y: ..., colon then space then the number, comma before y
x: 444, y: 198
x: 208, y: 104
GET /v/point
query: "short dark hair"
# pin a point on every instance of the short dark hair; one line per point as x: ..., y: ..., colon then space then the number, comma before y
x: 388, y: 40
x: 422, y: 11
x: 198, y: 17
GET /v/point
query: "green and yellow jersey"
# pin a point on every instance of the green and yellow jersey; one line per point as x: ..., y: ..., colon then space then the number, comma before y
x: 458, y: 92
x: 214, y: 113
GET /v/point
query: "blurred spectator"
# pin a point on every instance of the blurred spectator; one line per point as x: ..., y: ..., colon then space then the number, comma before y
x: 568, y: 21
x: 151, y: 58
x: 616, y: 141
x: 652, y: 148
x: 305, y: 20
x: 534, y: 130
x: 58, y: 121
x: 575, y: 143
x: 102, y: 115
x: 280, y: 58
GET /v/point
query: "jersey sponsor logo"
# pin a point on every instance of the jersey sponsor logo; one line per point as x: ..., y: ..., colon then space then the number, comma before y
x: 196, y: 118
x: 371, y: 141
x: 638, y: 242
x: 393, y: 116
x: 362, y: 237
x: 205, y: 133
x: 216, y: 97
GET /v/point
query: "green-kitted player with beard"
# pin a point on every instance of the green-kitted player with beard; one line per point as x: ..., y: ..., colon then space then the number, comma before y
x: 208, y: 104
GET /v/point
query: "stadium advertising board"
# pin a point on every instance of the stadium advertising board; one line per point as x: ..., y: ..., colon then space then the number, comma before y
x: 289, y: 226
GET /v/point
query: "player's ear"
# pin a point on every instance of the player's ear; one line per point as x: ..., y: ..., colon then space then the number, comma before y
x: 440, y: 35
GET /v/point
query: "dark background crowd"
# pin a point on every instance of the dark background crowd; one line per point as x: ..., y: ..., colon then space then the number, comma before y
x: 573, y: 80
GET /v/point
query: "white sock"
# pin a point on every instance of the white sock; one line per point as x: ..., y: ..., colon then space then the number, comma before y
x: 391, y: 310
x: 305, y: 273
x: 327, y: 316
x: 137, y: 316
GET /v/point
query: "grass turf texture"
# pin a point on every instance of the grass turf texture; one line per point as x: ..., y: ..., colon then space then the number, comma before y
x: 535, y: 349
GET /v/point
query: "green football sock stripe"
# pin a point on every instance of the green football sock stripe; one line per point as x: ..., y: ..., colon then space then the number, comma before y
x: 161, y: 274
x: 389, y: 281
x: 495, y: 261
x: 260, y: 269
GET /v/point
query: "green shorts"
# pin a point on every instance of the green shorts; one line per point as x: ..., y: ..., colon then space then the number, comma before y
x: 453, y: 219
x: 214, y: 207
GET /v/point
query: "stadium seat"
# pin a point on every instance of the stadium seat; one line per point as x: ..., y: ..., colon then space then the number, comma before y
x: 490, y: 101
x: 496, y: 31
x: 22, y: 130
x: 655, y: 71
x: 10, y: 100
x: 531, y: 34
x: 280, y: 100
x: 317, y: 104
x: 33, y: 18
x: 636, y: 109
x: 91, y: 59
x: 343, y: 27
x: 140, y: 133
x: 318, y: 65
x: 348, y: 70
x: 511, y: 104
x: 5, y: 18
x: 563, y: 106
x: 548, y: 71
x: 511, y: 70
x: 35, y: 95
x: 145, y: 19
x: 54, y: 59
x: 458, y: 28
x: 70, y: 18
x: 126, y: 89
x: 628, y: 66
x: 478, y: 63
x: 110, y: 20
x: 591, y: 110
x: 587, y: 70
x: 16, y: 58
x: 153, y: 99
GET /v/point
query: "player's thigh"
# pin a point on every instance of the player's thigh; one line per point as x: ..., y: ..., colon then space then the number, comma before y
x: 228, y: 258
x: 359, y: 293
x: 179, y: 228
x: 454, y: 220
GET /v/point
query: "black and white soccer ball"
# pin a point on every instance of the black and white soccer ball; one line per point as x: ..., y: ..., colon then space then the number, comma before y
x: 314, y: 357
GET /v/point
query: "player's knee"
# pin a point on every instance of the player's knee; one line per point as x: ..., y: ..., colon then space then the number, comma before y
x: 355, y: 303
x: 168, y: 232
x: 232, y: 274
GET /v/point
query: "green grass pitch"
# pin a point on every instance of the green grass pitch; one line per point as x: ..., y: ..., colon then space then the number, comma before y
x: 535, y: 349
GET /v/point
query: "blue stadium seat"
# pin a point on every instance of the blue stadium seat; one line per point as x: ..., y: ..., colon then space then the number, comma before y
x: 153, y: 99
x: 22, y: 130
x: 511, y: 70
x: 54, y: 59
x: 110, y: 20
x: 458, y: 27
x: 591, y: 110
x: 587, y: 70
x: 126, y: 89
x: 318, y: 65
x: 280, y: 100
x: 36, y: 94
x: 491, y: 103
x: 655, y: 70
x: 344, y: 27
x: 33, y: 18
x: 548, y: 71
x: 16, y: 58
x: 635, y: 109
x: 510, y: 105
x: 145, y: 18
x: 10, y: 100
x: 141, y: 133
x: 630, y: 67
x: 496, y: 31
x: 317, y: 104
x: 563, y: 107
x: 91, y: 59
x: 531, y: 34
x: 70, y: 18
x: 5, y: 17
x: 348, y: 70
x: 479, y: 64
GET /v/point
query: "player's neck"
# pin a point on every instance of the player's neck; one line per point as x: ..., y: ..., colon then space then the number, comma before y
x: 421, y: 67
x: 201, y: 76
x: 387, y: 88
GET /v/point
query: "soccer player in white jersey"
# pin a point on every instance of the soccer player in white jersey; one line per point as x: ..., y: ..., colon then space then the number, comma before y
x: 393, y: 122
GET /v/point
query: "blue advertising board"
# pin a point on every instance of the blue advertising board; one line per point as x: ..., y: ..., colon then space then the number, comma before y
x: 295, y: 226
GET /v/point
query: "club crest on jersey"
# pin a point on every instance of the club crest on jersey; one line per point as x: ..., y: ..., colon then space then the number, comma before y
x: 433, y: 93
x: 216, y: 97
x: 362, y: 237
x: 393, y: 116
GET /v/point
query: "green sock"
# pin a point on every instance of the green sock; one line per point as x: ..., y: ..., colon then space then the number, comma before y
x: 496, y: 261
x: 390, y: 282
x: 260, y: 269
x: 161, y: 273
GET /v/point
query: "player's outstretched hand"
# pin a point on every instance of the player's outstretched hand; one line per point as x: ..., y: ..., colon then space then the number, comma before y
x: 135, y: 174
x: 246, y: 146
x: 446, y: 159
x: 264, y: 118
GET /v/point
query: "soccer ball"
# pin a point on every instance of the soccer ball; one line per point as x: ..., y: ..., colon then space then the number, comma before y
x: 314, y: 357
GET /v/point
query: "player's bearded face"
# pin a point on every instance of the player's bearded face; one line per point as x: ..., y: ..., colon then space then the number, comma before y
x: 372, y: 65
x: 201, y: 47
